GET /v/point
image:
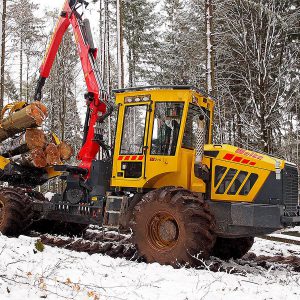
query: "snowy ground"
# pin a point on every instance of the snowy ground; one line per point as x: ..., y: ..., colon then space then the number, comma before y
x: 62, y: 274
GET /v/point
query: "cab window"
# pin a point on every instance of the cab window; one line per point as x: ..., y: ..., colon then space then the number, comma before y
x: 134, y: 129
x: 166, y: 127
x: 192, y: 122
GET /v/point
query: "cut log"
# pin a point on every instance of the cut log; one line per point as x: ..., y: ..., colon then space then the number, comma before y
x: 42, y: 107
x: 52, y: 155
x: 31, y: 139
x: 65, y: 150
x: 35, y: 158
x: 31, y: 116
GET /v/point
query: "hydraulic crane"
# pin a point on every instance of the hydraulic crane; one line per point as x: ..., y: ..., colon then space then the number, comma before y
x: 97, y: 98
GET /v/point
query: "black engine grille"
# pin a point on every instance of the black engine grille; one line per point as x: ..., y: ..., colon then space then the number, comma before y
x: 290, y: 190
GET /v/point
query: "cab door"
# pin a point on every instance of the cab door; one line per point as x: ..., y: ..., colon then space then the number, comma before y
x: 131, y: 136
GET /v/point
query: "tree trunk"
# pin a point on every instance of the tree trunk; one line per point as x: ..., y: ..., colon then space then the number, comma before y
x: 130, y: 69
x: 120, y: 44
x: 52, y: 155
x: 65, y: 150
x: 35, y: 158
x: 27, y: 78
x: 2, y: 62
x: 32, y: 115
x: 31, y: 139
x: 21, y: 66
x: 210, y: 71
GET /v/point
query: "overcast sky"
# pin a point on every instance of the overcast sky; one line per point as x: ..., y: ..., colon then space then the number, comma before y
x: 50, y: 4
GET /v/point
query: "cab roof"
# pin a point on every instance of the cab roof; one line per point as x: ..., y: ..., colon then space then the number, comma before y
x: 165, y: 87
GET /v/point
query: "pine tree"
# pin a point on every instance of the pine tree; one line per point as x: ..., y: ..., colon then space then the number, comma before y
x: 25, y: 30
x: 254, y: 64
x: 140, y: 33
x: 181, y: 58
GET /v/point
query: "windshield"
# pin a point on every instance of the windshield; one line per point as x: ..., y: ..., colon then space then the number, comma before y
x: 167, y: 119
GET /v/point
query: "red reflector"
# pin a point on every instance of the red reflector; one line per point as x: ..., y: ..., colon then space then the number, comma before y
x: 237, y: 159
x: 120, y: 157
x: 252, y: 163
x: 228, y: 156
x: 127, y: 157
x: 134, y: 157
x: 141, y: 157
x: 245, y: 161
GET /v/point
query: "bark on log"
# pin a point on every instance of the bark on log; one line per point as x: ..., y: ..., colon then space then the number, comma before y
x: 35, y: 158
x: 31, y: 116
x: 52, y: 155
x: 31, y: 139
x: 65, y: 150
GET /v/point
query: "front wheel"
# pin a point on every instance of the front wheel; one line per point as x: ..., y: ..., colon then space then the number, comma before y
x: 15, y: 212
x: 172, y: 226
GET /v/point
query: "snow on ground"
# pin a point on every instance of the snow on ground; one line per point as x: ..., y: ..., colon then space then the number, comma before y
x: 62, y: 274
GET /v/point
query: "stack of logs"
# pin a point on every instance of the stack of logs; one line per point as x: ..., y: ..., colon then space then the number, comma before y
x: 24, y: 143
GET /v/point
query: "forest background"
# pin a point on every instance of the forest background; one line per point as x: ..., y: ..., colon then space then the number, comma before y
x: 256, y: 66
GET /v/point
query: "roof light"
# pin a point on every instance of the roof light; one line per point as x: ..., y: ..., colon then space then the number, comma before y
x: 142, y: 98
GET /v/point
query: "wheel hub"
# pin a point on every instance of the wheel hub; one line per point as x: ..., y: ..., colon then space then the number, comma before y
x: 163, y: 231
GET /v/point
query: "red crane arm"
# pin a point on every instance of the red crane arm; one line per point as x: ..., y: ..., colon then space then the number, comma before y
x: 97, y: 98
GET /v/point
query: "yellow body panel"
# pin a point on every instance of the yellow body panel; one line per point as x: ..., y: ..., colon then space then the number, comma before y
x: 3, y: 162
x: 178, y: 170
x: 241, y: 160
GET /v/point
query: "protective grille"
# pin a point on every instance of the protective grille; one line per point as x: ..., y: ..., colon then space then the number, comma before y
x: 290, y: 190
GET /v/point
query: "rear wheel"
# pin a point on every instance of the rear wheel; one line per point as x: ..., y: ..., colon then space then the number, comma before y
x: 226, y: 248
x: 15, y: 211
x: 173, y: 226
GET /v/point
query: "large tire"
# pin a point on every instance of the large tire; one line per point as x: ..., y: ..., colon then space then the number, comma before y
x: 226, y: 248
x: 173, y: 226
x: 15, y: 212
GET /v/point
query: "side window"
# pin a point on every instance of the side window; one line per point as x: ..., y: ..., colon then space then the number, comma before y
x: 133, y: 129
x: 219, y: 172
x: 249, y: 184
x: 226, y: 181
x: 166, y: 127
x: 237, y: 183
x: 192, y: 123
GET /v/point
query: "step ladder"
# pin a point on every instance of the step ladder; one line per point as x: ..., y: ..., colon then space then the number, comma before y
x: 115, y: 209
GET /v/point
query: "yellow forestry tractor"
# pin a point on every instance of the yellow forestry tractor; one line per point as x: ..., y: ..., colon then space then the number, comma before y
x: 183, y: 197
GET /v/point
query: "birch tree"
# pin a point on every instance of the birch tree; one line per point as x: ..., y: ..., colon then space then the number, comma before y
x: 256, y: 60
x: 140, y: 33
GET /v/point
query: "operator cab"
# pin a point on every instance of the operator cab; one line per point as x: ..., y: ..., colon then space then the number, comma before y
x: 156, y: 136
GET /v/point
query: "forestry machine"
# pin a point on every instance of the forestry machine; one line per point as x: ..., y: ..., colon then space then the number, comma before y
x: 181, y: 195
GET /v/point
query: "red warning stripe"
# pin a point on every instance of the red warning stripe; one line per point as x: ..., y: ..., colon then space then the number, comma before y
x: 245, y: 161
x: 237, y: 159
x: 129, y: 157
x: 229, y: 156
